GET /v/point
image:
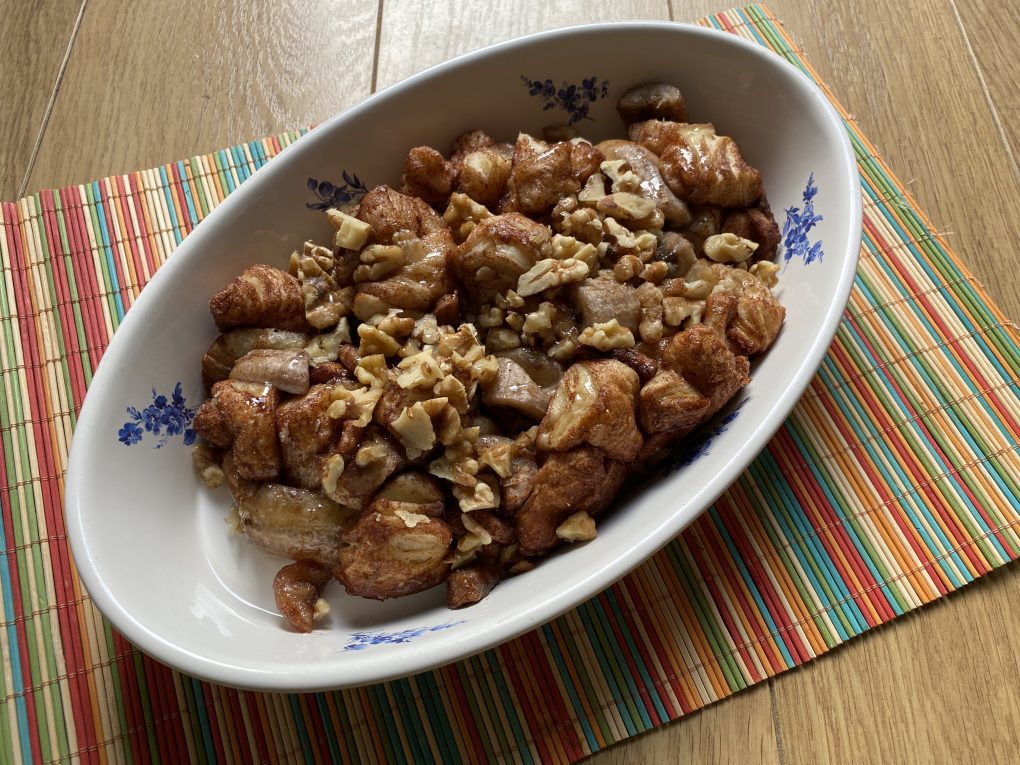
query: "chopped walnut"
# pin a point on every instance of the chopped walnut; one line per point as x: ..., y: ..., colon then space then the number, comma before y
x: 414, y: 426
x: 655, y: 272
x: 699, y: 281
x: 332, y: 469
x: 627, y: 268
x: 351, y: 233
x: 366, y: 307
x: 562, y: 349
x: 594, y: 190
x: 325, y: 301
x: 357, y: 405
x: 540, y: 320
x: 676, y: 310
x: 207, y: 465
x: 579, y: 527
x: 325, y: 347
x: 374, y: 340
x: 501, y: 339
x: 621, y: 174
x: 478, y: 497
x: 379, y: 261
x: 493, y: 317
x: 496, y: 452
x: 421, y: 371
x: 639, y: 243
x: 584, y: 225
x: 393, y: 323
x: 606, y: 336
x: 372, y: 371
x: 462, y: 214
x: 551, y: 273
x: 453, y: 390
x: 728, y: 248
x: 564, y: 247
x: 623, y: 205
x: 765, y: 271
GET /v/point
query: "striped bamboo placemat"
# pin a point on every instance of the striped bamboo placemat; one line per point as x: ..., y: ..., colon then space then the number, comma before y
x: 893, y: 483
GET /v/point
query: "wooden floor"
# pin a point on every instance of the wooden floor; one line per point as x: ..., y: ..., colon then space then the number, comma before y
x: 95, y: 87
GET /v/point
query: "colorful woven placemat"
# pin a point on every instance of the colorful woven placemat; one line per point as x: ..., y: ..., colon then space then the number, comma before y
x: 893, y: 483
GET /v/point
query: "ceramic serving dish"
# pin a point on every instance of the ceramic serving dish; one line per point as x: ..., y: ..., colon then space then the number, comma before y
x: 150, y: 541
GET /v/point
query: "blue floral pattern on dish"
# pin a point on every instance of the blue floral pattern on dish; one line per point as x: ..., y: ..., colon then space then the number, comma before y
x: 335, y: 194
x: 359, y: 641
x: 575, y: 100
x: 799, y: 221
x: 163, y: 418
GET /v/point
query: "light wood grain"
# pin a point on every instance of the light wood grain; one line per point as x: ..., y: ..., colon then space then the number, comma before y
x: 992, y: 37
x: 416, y: 35
x: 931, y: 82
x: 32, y: 47
x: 151, y: 82
x: 737, y: 730
x: 938, y: 686
x: 908, y: 77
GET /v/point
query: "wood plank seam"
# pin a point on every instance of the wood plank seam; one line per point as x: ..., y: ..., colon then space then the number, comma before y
x: 979, y: 71
x: 51, y: 102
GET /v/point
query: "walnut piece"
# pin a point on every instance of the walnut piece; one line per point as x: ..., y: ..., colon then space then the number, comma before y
x: 607, y: 336
x: 579, y: 527
x: 549, y: 274
x: 728, y: 248
x: 351, y: 233
x: 207, y: 462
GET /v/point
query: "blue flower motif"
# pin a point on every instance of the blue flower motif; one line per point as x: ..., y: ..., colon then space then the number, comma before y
x: 797, y: 225
x: 359, y: 641
x: 573, y: 99
x: 335, y: 195
x: 164, y: 419
x: 129, y: 434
